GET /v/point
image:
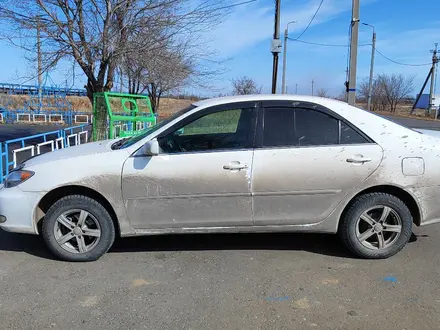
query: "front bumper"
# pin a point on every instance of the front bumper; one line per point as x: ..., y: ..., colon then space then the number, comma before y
x: 18, y: 207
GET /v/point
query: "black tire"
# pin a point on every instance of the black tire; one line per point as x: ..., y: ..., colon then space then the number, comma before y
x: 347, y: 227
x: 100, y: 214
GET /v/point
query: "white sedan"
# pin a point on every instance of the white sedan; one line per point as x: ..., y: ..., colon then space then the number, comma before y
x: 261, y: 163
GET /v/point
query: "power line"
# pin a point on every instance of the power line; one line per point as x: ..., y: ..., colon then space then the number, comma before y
x: 310, y: 23
x: 235, y: 4
x: 324, y: 45
x: 400, y: 63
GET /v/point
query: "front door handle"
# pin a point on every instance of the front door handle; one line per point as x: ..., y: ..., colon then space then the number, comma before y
x: 358, y: 159
x: 235, y: 166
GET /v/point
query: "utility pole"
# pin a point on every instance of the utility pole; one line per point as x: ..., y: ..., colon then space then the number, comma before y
x: 353, y: 53
x: 373, y: 51
x: 286, y: 36
x: 431, y: 90
x: 39, y: 66
x: 276, y: 46
x: 296, y: 89
x: 313, y: 83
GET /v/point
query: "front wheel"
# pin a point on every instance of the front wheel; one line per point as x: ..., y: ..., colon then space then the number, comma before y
x: 376, y: 226
x: 78, y: 228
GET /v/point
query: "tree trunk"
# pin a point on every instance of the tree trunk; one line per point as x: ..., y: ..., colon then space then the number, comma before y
x: 152, y: 94
x: 100, y: 127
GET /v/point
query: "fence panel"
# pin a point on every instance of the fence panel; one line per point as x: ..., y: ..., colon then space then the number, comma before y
x: 39, y: 118
x: 36, y: 144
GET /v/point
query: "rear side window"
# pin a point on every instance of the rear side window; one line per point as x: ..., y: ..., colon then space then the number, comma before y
x: 299, y: 127
x: 278, y: 127
x: 350, y: 136
x: 314, y: 128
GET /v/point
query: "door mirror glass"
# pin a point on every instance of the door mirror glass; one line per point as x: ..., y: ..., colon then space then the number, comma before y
x: 151, y: 148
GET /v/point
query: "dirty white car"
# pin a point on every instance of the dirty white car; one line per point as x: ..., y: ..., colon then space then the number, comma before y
x: 266, y: 163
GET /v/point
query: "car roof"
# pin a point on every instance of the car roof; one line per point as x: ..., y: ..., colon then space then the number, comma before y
x: 262, y: 97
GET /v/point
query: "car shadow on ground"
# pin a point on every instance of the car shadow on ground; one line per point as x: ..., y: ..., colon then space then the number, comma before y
x: 323, y: 244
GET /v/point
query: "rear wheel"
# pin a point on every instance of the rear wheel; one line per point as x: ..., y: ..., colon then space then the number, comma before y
x: 376, y: 226
x: 78, y: 228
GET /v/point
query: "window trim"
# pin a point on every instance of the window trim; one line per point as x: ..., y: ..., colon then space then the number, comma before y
x: 249, y: 144
x: 308, y: 106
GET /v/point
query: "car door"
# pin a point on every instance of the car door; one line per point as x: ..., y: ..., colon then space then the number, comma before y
x: 306, y: 161
x: 201, y: 177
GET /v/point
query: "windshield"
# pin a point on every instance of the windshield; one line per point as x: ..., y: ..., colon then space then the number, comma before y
x: 134, y: 139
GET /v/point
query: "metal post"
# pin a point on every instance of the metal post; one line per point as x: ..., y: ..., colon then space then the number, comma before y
x: 313, y: 83
x: 39, y: 68
x: 373, y: 51
x: 276, y: 44
x: 421, y: 92
x: 296, y: 89
x: 431, y: 90
x: 286, y: 36
x: 283, y: 87
x: 353, y: 53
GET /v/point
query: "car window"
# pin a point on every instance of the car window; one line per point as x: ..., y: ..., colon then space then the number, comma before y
x: 218, y: 122
x: 134, y: 139
x: 278, y: 127
x: 350, y: 136
x: 284, y: 126
x: 314, y: 128
x: 227, y: 129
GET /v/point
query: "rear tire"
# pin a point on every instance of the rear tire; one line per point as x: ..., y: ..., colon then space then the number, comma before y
x: 78, y: 228
x: 376, y: 226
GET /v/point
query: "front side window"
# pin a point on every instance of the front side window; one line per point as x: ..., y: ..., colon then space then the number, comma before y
x: 227, y: 129
x: 134, y: 139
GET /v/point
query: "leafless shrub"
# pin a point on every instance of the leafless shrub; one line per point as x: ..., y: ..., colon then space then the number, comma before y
x: 322, y: 92
x: 245, y: 86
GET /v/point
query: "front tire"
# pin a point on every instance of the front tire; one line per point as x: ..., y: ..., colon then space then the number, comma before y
x: 78, y: 228
x: 376, y: 226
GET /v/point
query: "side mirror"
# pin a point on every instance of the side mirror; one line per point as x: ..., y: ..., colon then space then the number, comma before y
x: 151, y: 148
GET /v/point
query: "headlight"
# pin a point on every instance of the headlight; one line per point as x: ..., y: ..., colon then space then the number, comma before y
x: 16, y: 177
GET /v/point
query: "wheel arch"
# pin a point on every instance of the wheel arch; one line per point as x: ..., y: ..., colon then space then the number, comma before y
x: 56, y: 194
x: 396, y: 191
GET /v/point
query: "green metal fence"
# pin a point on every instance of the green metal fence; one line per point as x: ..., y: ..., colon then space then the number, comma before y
x: 120, y: 115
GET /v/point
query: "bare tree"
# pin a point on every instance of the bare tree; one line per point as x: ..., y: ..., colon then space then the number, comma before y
x: 245, y: 86
x: 342, y: 96
x: 394, y: 88
x: 166, y: 74
x: 322, y: 92
x: 363, y: 90
x: 165, y: 71
x: 98, y: 33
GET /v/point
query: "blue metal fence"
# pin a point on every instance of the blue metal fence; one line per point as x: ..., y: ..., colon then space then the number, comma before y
x: 26, y: 89
x: 7, y: 148
x: 68, y: 117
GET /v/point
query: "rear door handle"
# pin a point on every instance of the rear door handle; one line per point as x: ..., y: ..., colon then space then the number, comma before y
x: 358, y: 159
x: 235, y: 166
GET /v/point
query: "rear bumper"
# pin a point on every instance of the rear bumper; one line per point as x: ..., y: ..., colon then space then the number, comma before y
x: 18, y: 208
x: 428, y: 199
